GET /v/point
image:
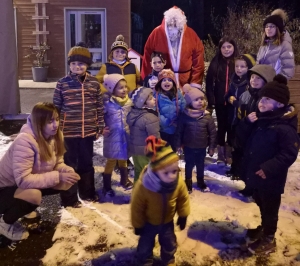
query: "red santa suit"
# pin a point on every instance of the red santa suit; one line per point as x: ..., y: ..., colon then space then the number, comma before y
x: 189, y: 63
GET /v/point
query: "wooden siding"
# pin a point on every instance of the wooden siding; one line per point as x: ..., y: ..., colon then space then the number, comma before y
x: 294, y: 86
x: 117, y: 22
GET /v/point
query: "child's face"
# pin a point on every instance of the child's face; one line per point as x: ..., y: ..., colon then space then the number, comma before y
x: 240, y: 67
x: 270, y: 30
x: 267, y: 104
x: 167, y: 84
x: 119, y: 54
x: 51, y: 127
x: 157, y: 64
x: 121, y: 89
x: 77, y: 67
x: 150, y: 103
x: 199, y: 103
x: 256, y: 81
x: 169, y: 173
x: 227, y: 49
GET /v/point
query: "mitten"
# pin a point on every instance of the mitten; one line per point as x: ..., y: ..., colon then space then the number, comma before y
x: 181, y: 221
x: 138, y: 231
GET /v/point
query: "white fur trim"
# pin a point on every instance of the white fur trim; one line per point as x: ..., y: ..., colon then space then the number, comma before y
x: 177, y: 15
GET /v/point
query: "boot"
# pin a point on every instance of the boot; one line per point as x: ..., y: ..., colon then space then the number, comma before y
x: 264, y: 245
x: 254, y: 234
x: 125, y: 182
x: 221, y: 155
x: 228, y: 154
x: 107, y: 190
x: 189, y: 184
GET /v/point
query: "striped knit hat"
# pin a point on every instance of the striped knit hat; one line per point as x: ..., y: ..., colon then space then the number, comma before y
x: 119, y: 43
x: 140, y: 95
x: 81, y: 54
x: 160, y: 153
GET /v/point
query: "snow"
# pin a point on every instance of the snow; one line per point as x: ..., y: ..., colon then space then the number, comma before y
x: 101, y: 233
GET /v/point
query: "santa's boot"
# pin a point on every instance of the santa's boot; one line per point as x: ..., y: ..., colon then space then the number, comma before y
x: 221, y: 155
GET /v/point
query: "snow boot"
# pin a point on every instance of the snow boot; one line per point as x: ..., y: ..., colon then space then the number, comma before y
x: 107, y: 190
x: 264, y: 245
x: 189, y: 184
x: 125, y: 182
x: 254, y: 234
x: 221, y: 155
x: 202, y: 186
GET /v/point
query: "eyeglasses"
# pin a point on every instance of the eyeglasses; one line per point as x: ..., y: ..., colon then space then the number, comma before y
x: 270, y: 26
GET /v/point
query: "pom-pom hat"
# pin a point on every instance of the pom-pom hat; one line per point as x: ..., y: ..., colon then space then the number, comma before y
x: 140, y: 95
x: 119, y: 43
x: 278, y: 17
x: 81, y: 54
x: 111, y: 81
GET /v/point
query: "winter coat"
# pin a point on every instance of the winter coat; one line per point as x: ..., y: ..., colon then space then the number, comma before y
x: 80, y: 105
x: 128, y: 70
x: 169, y: 110
x: 237, y: 87
x: 218, y: 79
x: 189, y: 64
x: 22, y: 166
x: 280, y: 57
x: 248, y: 102
x: 271, y: 144
x: 115, y: 145
x: 142, y: 123
x: 157, y: 208
x: 196, y: 130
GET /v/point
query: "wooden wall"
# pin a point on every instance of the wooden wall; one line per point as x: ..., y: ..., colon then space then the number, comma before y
x: 117, y: 22
x: 294, y: 86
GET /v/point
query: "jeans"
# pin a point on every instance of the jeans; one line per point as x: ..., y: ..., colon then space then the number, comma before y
x: 140, y: 161
x: 194, y: 157
x: 166, y: 239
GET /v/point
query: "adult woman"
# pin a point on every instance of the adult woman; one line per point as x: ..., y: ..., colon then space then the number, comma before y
x: 218, y: 76
x: 276, y: 47
x: 31, y: 168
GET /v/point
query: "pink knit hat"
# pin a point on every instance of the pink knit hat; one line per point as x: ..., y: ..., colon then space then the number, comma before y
x: 111, y: 81
x: 192, y: 91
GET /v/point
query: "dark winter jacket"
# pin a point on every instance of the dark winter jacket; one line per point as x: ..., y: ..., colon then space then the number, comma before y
x: 272, y: 145
x: 196, y: 130
x: 146, y: 80
x: 142, y: 123
x: 248, y: 102
x: 217, y: 80
x: 237, y: 87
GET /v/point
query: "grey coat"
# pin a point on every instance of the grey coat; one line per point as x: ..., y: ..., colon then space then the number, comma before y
x: 281, y: 57
x: 142, y: 123
x: 115, y: 145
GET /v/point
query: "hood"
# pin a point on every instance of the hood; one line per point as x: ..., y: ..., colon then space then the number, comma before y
x: 287, y: 37
x: 266, y: 72
x: 27, y: 128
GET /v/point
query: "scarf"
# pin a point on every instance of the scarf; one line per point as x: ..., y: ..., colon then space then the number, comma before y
x: 119, y: 100
x: 194, y: 113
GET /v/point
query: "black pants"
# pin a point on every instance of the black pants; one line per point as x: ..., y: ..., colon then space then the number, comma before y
x: 223, y: 125
x: 168, y: 138
x: 79, y: 155
x: 194, y: 157
x: 268, y: 203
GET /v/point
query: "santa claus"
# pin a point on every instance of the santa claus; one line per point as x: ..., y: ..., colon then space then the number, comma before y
x: 181, y: 46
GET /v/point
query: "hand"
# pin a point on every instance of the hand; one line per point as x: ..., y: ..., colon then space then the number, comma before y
x: 69, y: 178
x: 105, y: 131
x: 211, y: 152
x: 252, y: 117
x: 138, y: 231
x: 231, y: 99
x: 261, y: 174
x: 181, y: 221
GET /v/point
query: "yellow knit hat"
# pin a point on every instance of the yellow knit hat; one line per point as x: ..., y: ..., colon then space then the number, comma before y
x: 81, y: 54
x: 160, y: 153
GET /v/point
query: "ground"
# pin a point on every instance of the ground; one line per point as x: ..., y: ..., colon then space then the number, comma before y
x: 101, y: 233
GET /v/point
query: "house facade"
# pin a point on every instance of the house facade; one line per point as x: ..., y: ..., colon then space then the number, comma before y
x: 62, y: 24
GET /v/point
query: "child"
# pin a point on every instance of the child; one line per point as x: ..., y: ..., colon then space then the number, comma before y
x: 143, y: 121
x: 116, y: 132
x: 170, y: 103
x: 272, y: 146
x: 276, y: 48
x: 79, y: 101
x: 195, y: 132
x: 119, y: 63
x: 218, y: 77
x: 158, y: 194
x: 157, y: 63
x: 238, y: 85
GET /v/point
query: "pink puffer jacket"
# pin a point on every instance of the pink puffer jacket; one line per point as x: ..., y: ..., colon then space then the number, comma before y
x: 21, y: 165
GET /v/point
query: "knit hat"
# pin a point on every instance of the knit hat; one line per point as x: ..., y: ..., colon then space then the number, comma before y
x: 277, y: 90
x: 250, y: 59
x: 266, y: 72
x: 160, y: 153
x: 165, y: 73
x: 119, y: 43
x: 111, y: 81
x: 278, y: 17
x: 140, y: 95
x: 192, y: 91
x: 81, y: 54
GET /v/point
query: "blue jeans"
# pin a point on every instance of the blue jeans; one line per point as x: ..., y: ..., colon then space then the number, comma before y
x: 194, y: 157
x: 166, y: 239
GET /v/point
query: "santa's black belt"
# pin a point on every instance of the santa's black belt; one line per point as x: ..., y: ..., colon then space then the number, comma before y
x: 182, y: 72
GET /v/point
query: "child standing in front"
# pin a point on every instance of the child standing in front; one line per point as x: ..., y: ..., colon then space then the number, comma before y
x: 157, y: 63
x: 158, y: 194
x: 78, y: 98
x: 272, y: 146
x: 195, y: 132
x: 116, y: 131
x: 119, y: 63
x: 143, y: 121
x: 170, y: 103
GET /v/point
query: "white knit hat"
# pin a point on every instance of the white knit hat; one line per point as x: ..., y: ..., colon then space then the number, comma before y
x: 111, y: 80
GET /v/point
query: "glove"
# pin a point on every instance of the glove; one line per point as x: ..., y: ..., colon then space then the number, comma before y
x: 138, y: 231
x: 181, y: 221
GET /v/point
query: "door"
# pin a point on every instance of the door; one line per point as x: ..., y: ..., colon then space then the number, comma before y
x: 88, y: 26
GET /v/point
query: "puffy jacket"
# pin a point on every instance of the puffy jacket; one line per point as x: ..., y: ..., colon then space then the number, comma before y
x: 142, y: 123
x: 22, y: 166
x: 80, y: 105
x: 169, y: 110
x: 196, y: 130
x: 281, y: 57
x: 115, y: 145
